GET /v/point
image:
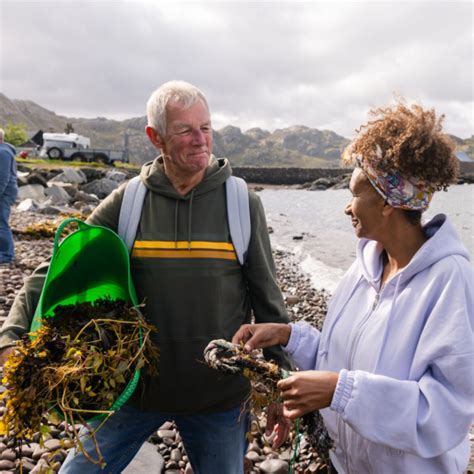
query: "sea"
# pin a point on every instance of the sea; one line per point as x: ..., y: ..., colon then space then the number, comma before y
x: 312, y: 225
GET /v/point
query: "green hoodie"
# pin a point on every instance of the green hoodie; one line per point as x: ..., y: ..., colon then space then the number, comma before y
x: 194, y: 289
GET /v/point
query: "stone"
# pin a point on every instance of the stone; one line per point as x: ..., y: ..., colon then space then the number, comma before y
x: 27, y: 205
x: 274, y: 466
x: 291, y: 300
x: 9, y: 454
x: 101, y: 187
x: 253, y: 456
x: 117, y: 176
x: 6, y: 465
x: 146, y: 461
x: 57, y: 195
x: 81, y: 196
x: 70, y: 175
x: 175, y: 455
x: 33, y: 191
x: 167, y: 434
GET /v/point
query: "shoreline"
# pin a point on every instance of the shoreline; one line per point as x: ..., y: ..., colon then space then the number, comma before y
x: 303, y: 301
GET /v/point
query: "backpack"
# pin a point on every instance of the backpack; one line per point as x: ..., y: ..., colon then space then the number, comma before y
x: 238, y: 213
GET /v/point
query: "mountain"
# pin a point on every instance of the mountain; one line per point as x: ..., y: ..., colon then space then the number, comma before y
x: 299, y: 145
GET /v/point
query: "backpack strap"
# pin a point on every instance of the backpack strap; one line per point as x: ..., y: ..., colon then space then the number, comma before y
x: 131, y: 211
x: 238, y: 215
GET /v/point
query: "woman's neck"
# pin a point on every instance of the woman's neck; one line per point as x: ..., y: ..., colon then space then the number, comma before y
x: 400, y: 247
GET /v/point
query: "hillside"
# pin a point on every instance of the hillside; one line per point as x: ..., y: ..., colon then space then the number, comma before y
x: 299, y: 145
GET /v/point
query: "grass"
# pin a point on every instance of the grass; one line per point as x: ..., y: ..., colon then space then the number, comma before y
x: 73, y: 164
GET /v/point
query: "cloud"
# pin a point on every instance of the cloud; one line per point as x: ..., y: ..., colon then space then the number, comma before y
x: 266, y: 64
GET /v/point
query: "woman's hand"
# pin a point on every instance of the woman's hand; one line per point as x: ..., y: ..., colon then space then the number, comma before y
x: 307, y: 391
x: 258, y: 336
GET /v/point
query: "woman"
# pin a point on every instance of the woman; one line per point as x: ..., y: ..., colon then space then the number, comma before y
x: 392, y: 369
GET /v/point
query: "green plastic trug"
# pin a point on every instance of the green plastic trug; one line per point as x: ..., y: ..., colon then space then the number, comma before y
x: 90, y: 263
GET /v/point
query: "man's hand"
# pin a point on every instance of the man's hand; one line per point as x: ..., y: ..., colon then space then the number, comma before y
x: 278, y: 423
x: 258, y: 336
x: 4, y: 353
x: 307, y: 391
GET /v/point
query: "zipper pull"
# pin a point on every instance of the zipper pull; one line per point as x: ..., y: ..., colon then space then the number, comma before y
x: 377, y: 296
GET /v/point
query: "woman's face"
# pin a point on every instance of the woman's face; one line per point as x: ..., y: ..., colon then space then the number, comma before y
x: 365, y: 207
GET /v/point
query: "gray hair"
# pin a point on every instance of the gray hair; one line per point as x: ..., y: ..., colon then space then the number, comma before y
x: 173, y: 91
x: 2, y: 135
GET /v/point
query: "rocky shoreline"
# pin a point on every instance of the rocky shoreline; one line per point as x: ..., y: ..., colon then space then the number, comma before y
x: 304, y: 303
x: 49, y: 193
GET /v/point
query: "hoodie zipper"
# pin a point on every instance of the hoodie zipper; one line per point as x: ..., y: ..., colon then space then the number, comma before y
x: 350, y: 360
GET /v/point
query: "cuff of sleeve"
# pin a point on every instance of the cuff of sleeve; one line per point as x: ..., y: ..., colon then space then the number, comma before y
x: 343, y: 391
x: 294, y: 339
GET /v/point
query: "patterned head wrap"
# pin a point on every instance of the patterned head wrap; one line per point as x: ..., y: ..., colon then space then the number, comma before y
x: 405, y: 193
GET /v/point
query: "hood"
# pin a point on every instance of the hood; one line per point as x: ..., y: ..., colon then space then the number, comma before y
x: 443, y: 241
x: 155, y: 179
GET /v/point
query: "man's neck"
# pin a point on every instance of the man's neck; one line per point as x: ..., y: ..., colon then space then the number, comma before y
x: 183, y: 184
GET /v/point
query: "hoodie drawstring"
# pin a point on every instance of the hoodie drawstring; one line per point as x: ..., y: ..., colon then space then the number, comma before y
x: 190, y: 218
x: 176, y: 208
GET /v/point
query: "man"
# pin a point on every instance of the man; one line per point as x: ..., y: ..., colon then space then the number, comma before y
x: 184, y: 268
x: 8, y: 193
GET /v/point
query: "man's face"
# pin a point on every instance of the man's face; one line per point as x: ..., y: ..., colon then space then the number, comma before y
x: 187, y: 145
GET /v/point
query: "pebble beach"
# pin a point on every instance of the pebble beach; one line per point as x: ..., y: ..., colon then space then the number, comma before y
x: 303, y: 302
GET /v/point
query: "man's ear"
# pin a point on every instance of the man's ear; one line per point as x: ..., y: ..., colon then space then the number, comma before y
x: 154, y: 137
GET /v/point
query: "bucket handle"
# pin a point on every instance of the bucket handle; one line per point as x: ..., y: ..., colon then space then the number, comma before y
x: 65, y: 223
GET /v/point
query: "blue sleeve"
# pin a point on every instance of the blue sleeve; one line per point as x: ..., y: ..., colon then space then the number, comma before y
x: 5, y: 170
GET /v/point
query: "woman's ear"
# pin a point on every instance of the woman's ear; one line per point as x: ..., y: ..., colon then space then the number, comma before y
x: 387, y: 209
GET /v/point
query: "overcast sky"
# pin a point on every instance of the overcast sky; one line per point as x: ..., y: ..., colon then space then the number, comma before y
x: 260, y: 64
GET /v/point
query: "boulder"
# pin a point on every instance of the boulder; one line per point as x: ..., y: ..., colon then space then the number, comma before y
x: 101, y: 187
x: 33, y: 191
x: 28, y: 205
x: 36, y: 177
x: 117, y: 176
x: 70, y: 175
x: 57, y: 195
x: 81, y: 196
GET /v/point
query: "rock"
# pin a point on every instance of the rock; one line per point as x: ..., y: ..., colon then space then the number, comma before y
x: 27, y: 205
x: 86, y: 197
x: 52, y: 444
x: 253, y: 456
x: 297, y: 237
x: 146, y: 461
x: 6, y: 465
x: 274, y: 466
x: 92, y: 173
x: 33, y: 191
x: 57, y: 195
x: 36, y: 177
x: 70, y: 175
x: 291, y: 300
x: 176, y: 455
x: 166, y: 434
x: 101, y: 187
x: 9, y: 455
x: 117, y: 176
x: 321, y: 184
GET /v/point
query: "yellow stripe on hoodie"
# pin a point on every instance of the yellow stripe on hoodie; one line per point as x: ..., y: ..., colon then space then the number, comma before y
x: 183, y: 249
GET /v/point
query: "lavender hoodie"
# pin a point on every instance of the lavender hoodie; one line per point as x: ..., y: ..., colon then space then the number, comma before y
x: 405, y: 396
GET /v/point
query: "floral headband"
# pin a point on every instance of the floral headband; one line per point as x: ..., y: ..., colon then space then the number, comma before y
x: 401, y: 192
